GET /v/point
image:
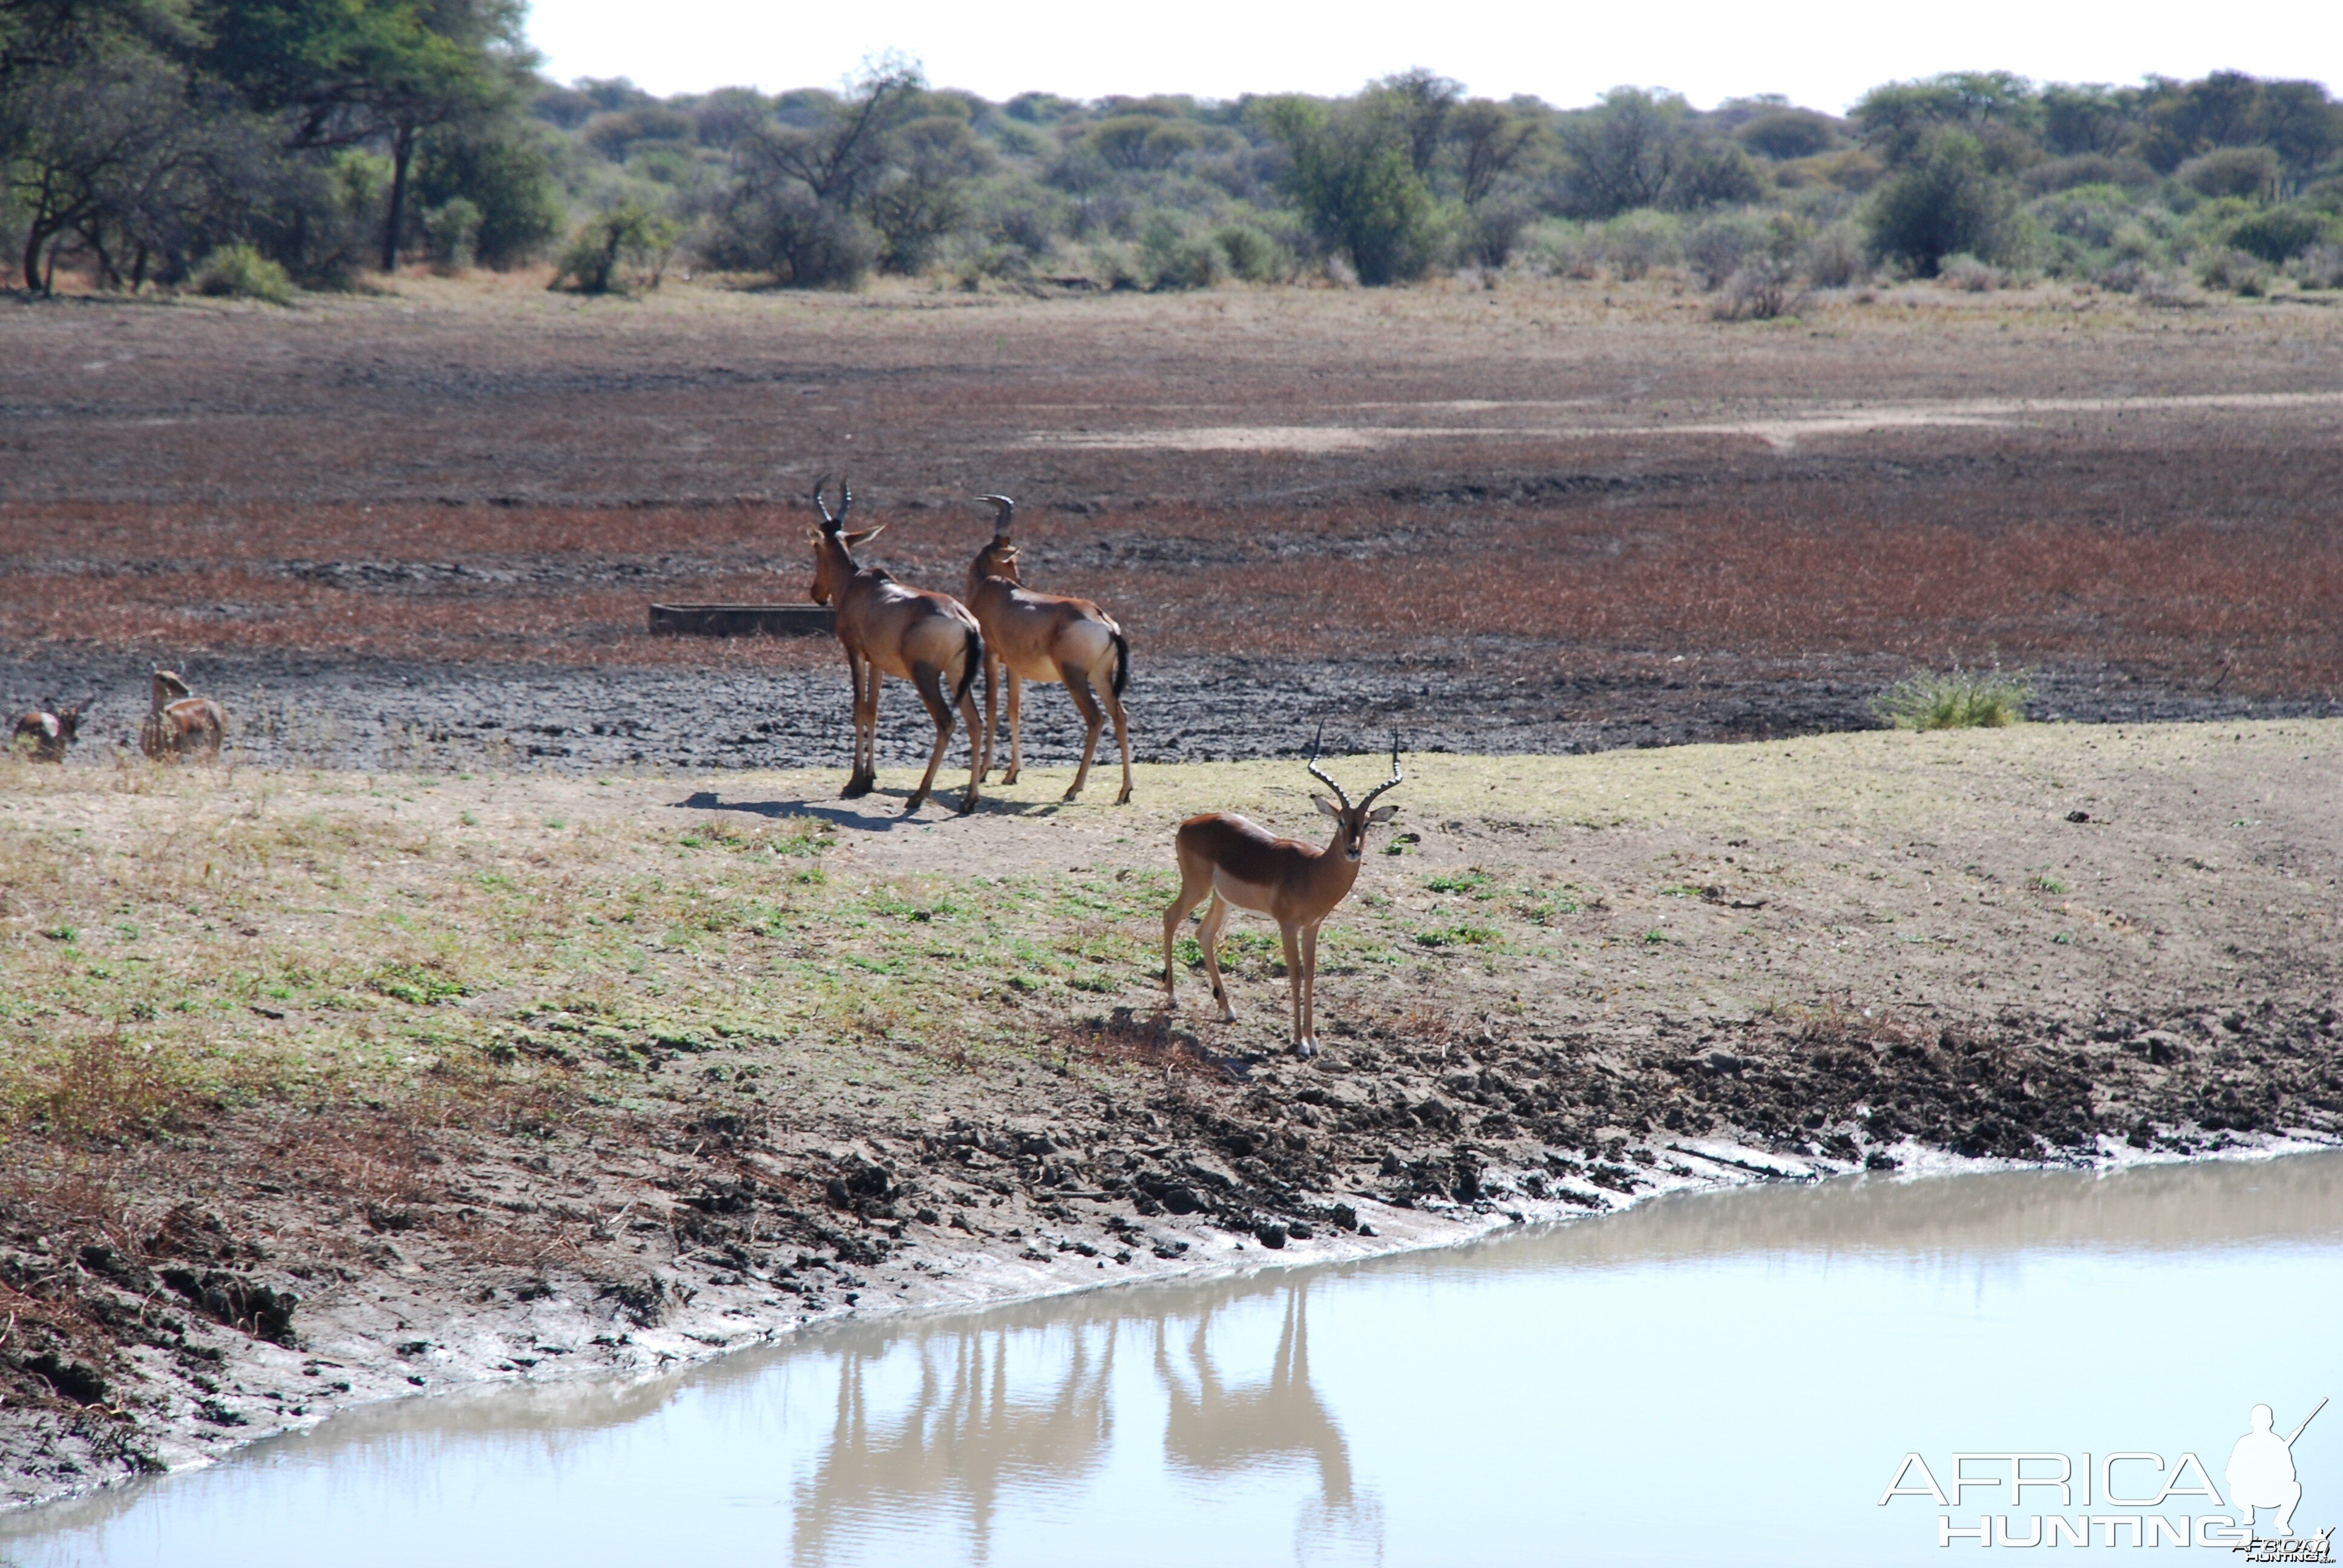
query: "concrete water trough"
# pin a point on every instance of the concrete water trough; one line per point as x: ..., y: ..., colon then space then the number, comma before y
x: 743, y: 620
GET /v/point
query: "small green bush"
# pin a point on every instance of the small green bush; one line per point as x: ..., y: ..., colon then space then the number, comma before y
x: 2279, y: 234
x: 2246, y: 171
x: 1963, y: 699
x: 451, y: 233
x: 630, y: 234
x: 1942, y: 201
x: 240, y: 272
x: 1253, y: 256
x: 1170, y: 258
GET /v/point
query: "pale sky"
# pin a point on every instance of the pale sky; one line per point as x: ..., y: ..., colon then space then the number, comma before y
x: 1823, y: 55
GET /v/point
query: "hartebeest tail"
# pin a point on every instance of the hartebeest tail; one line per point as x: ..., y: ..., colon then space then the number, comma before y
x: 42, y: 736
x: 180, y: 724
x: 886, y: 629
x: 1045, y: 637
x: 1297, y: 885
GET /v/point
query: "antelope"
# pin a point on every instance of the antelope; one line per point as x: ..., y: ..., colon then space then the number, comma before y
x: 1295, y: 885
x: 179, y: 723
x: 888, y: 630
x: 1045, y: 637
x: 44, y: 737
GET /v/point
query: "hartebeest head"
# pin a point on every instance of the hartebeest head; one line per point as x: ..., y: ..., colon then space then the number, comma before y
x: 998, y: 559
x: 1354, y: 819
x: 833, y: 547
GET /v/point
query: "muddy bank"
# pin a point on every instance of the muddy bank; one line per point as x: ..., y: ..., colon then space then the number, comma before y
x: 265, y: 1270
x: 1483, y: 698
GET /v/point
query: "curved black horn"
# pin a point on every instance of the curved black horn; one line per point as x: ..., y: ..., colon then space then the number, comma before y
x: 1004, y: 512
x: 1387, y: 783
x: 845, y: 499
x: 1321, y: 777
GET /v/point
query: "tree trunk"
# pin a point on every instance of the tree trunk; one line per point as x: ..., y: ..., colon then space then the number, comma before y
x: 33, y: 258
x: 402, y: 154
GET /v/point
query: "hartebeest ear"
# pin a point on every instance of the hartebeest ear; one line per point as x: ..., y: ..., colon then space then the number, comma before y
x: 865, y: 535
x: 1326, y: 805
x: 1382, y: 813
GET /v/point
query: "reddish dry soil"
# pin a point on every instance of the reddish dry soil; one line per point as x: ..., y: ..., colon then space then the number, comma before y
x: 1441, y: 495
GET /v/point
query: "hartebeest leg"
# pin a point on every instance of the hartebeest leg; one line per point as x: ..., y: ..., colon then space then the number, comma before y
x: 975, y: 764
x: 1310, y: 989
x: 1078, y: 687
x: 1208, y: 937
x: 1122, y: 738
x: 858, y: 779
x: 1016, y: 728
x: 928, y: 682
x: 991, y: 711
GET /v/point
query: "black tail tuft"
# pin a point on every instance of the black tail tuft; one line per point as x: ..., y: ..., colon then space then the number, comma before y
x: 1121, y: 661
x: 975, y: 662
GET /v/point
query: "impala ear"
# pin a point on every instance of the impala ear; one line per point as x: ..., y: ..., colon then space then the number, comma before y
x: 1326, y: 805
x: 865, y: 535
x: 815, y: 536
x: 1382, y: 813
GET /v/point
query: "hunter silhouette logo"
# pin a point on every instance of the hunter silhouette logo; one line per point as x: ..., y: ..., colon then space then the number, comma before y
x: 2120, y: 1499
x: 2261, y: 1475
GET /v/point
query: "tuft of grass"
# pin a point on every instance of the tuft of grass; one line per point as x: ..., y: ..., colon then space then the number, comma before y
x: 1961, y: 700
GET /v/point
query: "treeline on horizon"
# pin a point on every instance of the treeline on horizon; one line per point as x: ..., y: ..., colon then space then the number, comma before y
x: 246, y: 146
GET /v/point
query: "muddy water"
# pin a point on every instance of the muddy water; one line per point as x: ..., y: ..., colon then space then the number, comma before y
x: 1733, y: 1378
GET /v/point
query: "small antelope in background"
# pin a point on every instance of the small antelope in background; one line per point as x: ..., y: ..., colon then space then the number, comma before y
x: 179, y: 723
x: 43, y: 736
x: 928, y: 638
x: 1293, y: 883
x: 1045, y: 637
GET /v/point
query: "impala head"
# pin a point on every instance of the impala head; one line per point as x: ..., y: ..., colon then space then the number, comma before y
x: 168, y: 686
x: 1354, y: 819
x: 998, y: 559
x: 830, y: 532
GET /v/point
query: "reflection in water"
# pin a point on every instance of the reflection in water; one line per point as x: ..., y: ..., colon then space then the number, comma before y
x: 965, y: 1435
x: 1018, y: 1433
x: 1214, y: 1429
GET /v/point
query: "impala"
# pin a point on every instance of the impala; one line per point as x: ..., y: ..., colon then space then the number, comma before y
x: 43, y: 736
x: 1045, y: 637
x: 886, y: 629
x: 1291, y: 882
x: 179, y: 723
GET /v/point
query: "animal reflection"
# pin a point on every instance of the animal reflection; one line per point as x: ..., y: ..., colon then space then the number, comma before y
x: 1216, y: 1427
x: 966, y: 1435
x: 978, y: 1420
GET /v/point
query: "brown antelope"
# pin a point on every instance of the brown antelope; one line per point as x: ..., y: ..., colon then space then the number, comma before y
x: 44, y: 737
x: 179, y: 723
x: 886, y: 629
x: 1045, y: 637
x: 1295, y: 884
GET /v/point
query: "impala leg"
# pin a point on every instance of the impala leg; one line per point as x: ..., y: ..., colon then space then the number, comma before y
x: 1078, y: 687
x: 975, y: 763
x: 928, y: 682
x: 1208, y: 937
x: 992, y: 709
x: 1195, y: 882
x: 1293, y: 938
x: 873, y: 679
x: 1016, y: 728
x: 1310, y: 989
x: 1122, y: 736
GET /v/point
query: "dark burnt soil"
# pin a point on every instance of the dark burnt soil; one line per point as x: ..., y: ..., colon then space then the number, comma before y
x: 1556, y: 515
x: 289, y: 710
x: 143, y: 1304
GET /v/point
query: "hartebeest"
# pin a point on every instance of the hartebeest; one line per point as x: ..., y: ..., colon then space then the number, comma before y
x: 1291, y: 882
x: 1045, y: 637
x: 43, y: 736
x: 928, y: 638
x: 179, y: 723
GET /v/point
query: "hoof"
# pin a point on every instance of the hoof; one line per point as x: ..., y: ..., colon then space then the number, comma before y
x: 1070, y: 795
x: 911, y: 807
x: 1124, y: 799
x: 1010, y: 776
x: 967, y: 804
x: 856, y: 788
x: 1305, y: 1048
x: 1228, y: 1013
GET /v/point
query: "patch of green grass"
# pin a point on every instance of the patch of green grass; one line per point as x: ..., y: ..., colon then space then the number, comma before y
x: 1960, y: 699
x: 1459, y: 936
x: 1470, y: 881
x: 2049, y: 884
